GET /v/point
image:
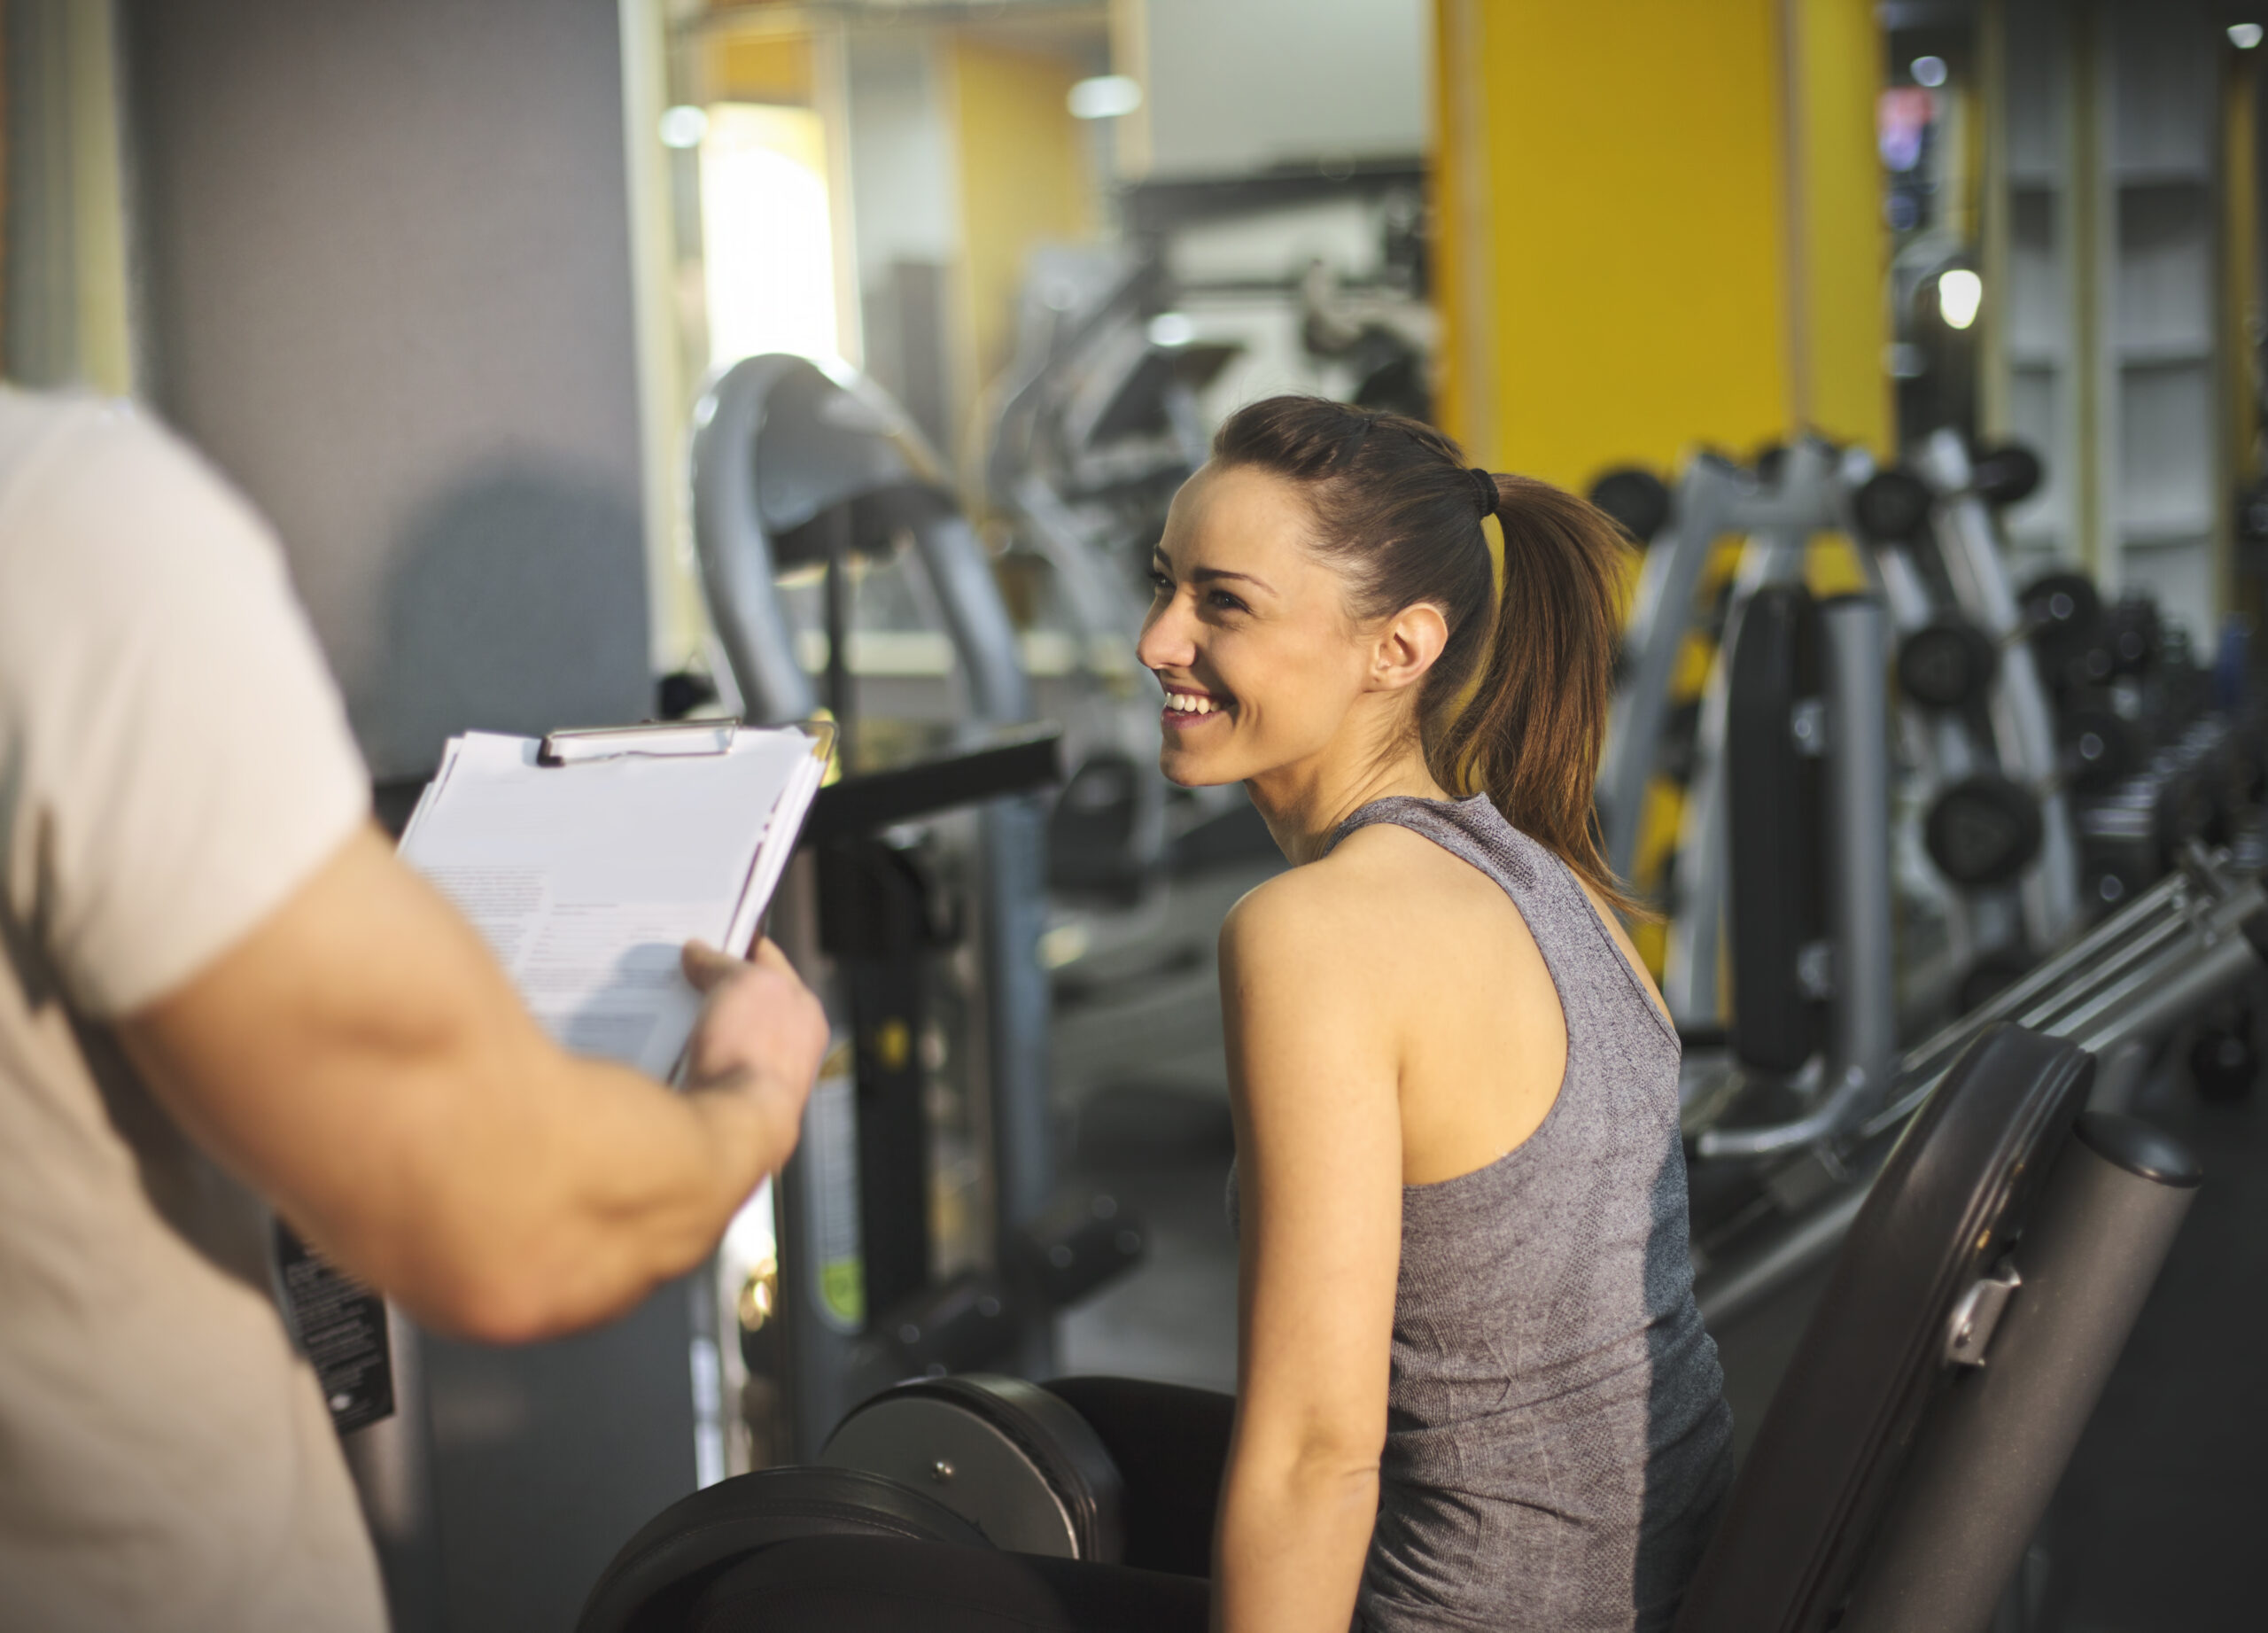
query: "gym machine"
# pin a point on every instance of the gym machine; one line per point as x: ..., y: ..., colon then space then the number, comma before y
x: 1807, y: 803
x: 1788, y: 856
x: 1777, y: 512
x: 1096, y: 429
x: 918, y: 1229
x: 1978, y: 759
x: 2197, y: 938
x: 1975, y: 1312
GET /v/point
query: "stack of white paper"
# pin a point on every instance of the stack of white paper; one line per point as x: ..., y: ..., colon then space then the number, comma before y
x: 585, y: 879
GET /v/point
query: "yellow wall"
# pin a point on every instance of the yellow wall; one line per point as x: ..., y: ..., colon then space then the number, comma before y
x: 1842, y: 386
x: 1025, y: 179
x: 1636, y: 256
x: 773, y: 68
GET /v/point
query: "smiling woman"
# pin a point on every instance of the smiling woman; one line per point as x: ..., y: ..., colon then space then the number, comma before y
x: 1473, y: 1389
x: 1442, y: 1050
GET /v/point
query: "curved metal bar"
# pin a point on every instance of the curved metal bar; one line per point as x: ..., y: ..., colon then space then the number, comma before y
x: 999, y: 691
x: 734, y: 551
x: 1847, y: 1101
x: 1672, y: 568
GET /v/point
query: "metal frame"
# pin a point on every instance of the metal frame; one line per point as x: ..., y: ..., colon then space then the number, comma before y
x: 869, y: 453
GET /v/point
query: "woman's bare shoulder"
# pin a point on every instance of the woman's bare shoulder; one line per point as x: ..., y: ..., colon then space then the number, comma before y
x: 1382, y: 887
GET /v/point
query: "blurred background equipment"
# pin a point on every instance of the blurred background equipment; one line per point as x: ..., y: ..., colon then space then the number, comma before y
x: 669, y: 357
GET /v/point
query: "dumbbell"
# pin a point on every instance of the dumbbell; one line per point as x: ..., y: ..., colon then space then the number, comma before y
x: 2117, y: 871
x: 1892, y: 507
x: 2099, y: 747
x: 2006, y: 473
x: 1637, y: 499
x: 2134, y: 635
x: 1982, y: 830
x: 2061, y: 612
x: 1947, y: 664
x: 2223, y: 1063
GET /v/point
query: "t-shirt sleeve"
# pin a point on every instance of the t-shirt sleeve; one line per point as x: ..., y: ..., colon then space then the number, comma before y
x: 180, y: 749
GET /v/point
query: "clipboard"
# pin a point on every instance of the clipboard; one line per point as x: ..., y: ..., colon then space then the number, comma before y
x: 585, y: 858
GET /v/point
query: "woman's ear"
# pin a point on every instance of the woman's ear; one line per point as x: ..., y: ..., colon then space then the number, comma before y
x: 1408, y: 644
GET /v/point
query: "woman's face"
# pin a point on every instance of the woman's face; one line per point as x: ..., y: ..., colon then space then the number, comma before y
x: 1247, y: 631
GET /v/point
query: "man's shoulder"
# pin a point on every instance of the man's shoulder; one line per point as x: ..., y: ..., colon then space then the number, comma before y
x: 35, y: 424
x: 96, y: 491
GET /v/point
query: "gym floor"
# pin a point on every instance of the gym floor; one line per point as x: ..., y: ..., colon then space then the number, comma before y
x: 2158, y: 1521
x: 1145, y: 1093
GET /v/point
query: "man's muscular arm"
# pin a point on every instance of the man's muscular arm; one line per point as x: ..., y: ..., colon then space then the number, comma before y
x: 360, y: 1059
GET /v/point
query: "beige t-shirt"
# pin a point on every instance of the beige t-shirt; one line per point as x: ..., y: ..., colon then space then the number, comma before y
x: 174, y: 763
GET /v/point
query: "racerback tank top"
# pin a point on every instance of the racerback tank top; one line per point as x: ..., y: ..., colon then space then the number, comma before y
x: 1558, y: 1442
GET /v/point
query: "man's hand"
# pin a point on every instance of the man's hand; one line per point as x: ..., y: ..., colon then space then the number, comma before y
x: 761, y: 1038
x: 359, y: 1059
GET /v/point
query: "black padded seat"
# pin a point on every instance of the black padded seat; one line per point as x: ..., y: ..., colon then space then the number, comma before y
x: 1950, y: 1200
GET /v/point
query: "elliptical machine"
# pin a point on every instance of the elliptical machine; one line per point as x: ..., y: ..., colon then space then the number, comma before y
x: 918, y: 1228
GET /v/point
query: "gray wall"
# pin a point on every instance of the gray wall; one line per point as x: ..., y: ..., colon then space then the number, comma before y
x: 389, y: 291
x: 387, y: 250
x: 1244, y: 86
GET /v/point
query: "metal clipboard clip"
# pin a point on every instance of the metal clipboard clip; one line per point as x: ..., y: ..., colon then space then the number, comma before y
x: 662, y: 740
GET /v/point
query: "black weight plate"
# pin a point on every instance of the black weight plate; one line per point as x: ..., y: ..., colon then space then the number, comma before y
x: 1982, y: 830
x: 2134, y: 634
x: 2099, y: 747
x: 2223, y: 1064
x: 1892, y: 507
x: 2007, y: 474
x: 2063, y: 611
x: 1947, y: 664
x: 1014, y: 1461
x: 650, y: 1585
x: 1636, y: 498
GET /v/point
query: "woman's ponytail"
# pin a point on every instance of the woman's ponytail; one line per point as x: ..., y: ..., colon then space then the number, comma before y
x: 1397, y: 510
x: 1530, y: 734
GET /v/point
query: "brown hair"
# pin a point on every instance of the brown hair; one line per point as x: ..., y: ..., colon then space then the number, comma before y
x: 1398, y: 512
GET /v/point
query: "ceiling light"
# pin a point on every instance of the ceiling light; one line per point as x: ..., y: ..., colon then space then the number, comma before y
x: 1107, y: 97
x: 1171, y: 329
x: 684, y: 126
x: 1959, y: 293
x: 2244, y: 36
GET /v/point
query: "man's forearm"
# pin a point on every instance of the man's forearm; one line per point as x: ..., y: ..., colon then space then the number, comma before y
x: 360, y: 1059
x: 597, y: 1187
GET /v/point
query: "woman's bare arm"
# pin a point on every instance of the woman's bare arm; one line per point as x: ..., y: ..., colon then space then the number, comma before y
x: 1313, y: 1069
x: 360, y: 1061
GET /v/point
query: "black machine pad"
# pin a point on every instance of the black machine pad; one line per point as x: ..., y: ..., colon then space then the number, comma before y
x: 1949, y: 1200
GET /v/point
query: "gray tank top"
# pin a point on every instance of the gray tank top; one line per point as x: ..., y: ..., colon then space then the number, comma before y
x: 1557, y: 1441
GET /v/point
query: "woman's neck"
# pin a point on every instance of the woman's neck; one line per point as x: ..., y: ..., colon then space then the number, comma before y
x: 1303, y: 804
